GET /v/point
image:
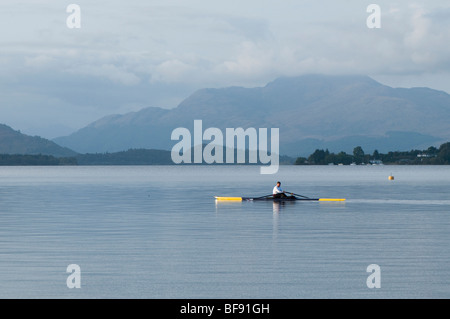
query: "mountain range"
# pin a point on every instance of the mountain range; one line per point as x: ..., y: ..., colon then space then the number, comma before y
x: 14, y: 142
x: 311, y: 111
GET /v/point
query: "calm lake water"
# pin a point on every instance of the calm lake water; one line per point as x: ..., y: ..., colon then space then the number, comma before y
x: 157, y: 232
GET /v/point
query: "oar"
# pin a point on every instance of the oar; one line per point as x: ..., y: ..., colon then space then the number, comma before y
x: 298, y: 195
x: 263, y: 196
x: 322, y: 199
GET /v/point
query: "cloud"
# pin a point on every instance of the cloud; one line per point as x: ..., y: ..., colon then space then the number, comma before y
x: 39, y: 61
x: 425, y: 41
x: 143, y: 54
x: 251, y: 60
x: 108, y: 71
x: 172, y: 71
x: 176, y: 43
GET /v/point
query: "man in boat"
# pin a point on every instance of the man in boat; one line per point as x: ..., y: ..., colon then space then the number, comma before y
x: 278, y: 192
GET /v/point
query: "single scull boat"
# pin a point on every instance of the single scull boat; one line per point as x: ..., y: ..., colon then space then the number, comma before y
x: 293, y: 197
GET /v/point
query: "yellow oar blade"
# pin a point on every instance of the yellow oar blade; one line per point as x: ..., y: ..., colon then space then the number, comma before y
x: 331, y: 199
x: 229, y: 198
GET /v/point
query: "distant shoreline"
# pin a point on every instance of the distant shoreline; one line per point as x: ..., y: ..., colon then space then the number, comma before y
x: 430, y: 156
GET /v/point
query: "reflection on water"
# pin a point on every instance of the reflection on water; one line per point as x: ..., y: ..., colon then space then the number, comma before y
x: 276, y: 216
x: 276, y: 207
x: 280, y: 205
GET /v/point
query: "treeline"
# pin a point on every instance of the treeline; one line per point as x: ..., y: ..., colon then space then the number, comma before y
x: 35, y: 160
x: 430, y: 156
x: 130, y: 157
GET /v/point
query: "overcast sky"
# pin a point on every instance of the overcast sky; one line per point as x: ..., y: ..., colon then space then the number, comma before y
x: 132, y: 54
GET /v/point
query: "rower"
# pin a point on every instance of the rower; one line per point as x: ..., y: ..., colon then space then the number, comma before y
x: 278, y: 192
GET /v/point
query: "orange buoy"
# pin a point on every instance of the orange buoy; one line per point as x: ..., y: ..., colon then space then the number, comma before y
x: 391, y: 178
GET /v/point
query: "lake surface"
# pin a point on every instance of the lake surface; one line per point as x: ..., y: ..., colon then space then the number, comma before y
x: 157, y: 232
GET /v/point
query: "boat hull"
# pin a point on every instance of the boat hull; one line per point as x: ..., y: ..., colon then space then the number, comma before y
x: 285, y: 199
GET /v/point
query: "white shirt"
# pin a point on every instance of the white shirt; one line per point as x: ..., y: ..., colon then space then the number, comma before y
x: 277, y: 190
